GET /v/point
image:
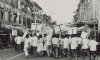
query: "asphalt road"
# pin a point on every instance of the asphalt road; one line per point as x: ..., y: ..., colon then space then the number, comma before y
x: 10, y: 54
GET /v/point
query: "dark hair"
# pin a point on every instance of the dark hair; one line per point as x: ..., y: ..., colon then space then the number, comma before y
x: 45, y: 35
x: 34, y: 34
x: 62, y: 36
x: 40, y: 36
x: 27, y: 36
x: 66, y: 35
x: 57, y: 36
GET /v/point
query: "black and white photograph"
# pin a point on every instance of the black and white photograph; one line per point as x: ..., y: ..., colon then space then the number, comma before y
x: 49, y: 29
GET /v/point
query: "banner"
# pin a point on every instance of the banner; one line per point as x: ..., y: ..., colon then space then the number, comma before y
x: 70, y: 31
x: 39, y: 26
x: 57, y: 29
x: 74, y: 30
x: 33, y: 26
x: 84, y: 34
x: 63, y: 27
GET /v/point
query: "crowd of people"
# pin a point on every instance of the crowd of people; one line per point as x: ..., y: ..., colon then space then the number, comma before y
x: 56, y: 45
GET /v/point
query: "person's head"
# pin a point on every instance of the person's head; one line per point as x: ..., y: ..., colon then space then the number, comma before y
x: 40, y: 36
x: 66, y: 36
x: 45, y: 35
x: 62, y: 36
x: 54, y: 35
x: 27, y: 36
x: 34, y: 34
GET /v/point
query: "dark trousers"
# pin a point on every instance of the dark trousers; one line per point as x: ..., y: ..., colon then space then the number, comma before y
x: 73, y: 53
x: 22, y: 46
x: 66, y: 52
x: 35, y: 51
x: 93, y: 54
x: 55, y: 50
x: 85, y: 52
x: 79, y: 49
x: 17, y: 47
x: 60, y: 50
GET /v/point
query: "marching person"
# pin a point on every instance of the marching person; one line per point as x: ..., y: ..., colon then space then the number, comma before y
x: 93, y: 49
x: 60, y: 49
x: 40, y: 45
x: 44, y: 45
x: 34, y: 44
x: 55, y: 42
x: 66, y: 42
x: 79, y: 39
x: 26, y: 46
x: 48, y: 44
x: 85, y: 47
x: 74, y: 45
x: 31, y: 44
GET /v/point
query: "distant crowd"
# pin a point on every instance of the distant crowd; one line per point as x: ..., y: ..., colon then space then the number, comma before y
x: 55, y: 45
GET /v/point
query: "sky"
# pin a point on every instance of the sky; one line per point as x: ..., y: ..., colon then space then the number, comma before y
x: 60, y: 10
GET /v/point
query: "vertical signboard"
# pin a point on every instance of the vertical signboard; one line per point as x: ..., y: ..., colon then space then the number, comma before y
x: 57, y: 29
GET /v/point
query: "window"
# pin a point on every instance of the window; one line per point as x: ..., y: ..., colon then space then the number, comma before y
x: 19, y: 19
x: 2, y: 15
x: 15, y: 17
x: 9, y: 18
x: 28, y: 23
x: 24, y: 21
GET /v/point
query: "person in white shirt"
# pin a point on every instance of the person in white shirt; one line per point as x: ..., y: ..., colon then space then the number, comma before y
x: 40, y: 45
x: 31, y: 50
x: 74, y: 45
x: 79, y: 39
x: 93, y: 47
x: 55, y: 43
x: 18, y: 41
x: 34, y: 44
x: 26, y: 46
x: 66, y: 43
x: 48, y: 43
x: 85, y: 46
x: 60, y: 49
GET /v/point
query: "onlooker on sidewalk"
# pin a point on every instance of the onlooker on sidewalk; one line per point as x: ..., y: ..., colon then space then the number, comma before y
x: 18, y: 41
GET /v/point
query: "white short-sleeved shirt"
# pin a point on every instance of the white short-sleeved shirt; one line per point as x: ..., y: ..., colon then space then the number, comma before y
x: 31, y: 41
x: 93, y: 45
x: 18, y: 40
x: 55, y: 41
x: 27, y: 42
x: 48, y: 40
x: 79, y: 40
x: 85, y: 43
x: 74, y: 43
x: 60, y: 41
x: 35, y: 41
x: 66, y: 42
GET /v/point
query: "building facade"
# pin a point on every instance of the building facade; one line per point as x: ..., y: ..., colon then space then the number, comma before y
x: 88, y: 12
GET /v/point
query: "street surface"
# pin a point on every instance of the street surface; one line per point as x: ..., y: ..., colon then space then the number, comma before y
x: 10, y: 54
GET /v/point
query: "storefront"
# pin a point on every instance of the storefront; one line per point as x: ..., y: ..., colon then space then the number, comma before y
x: 4, y: 37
